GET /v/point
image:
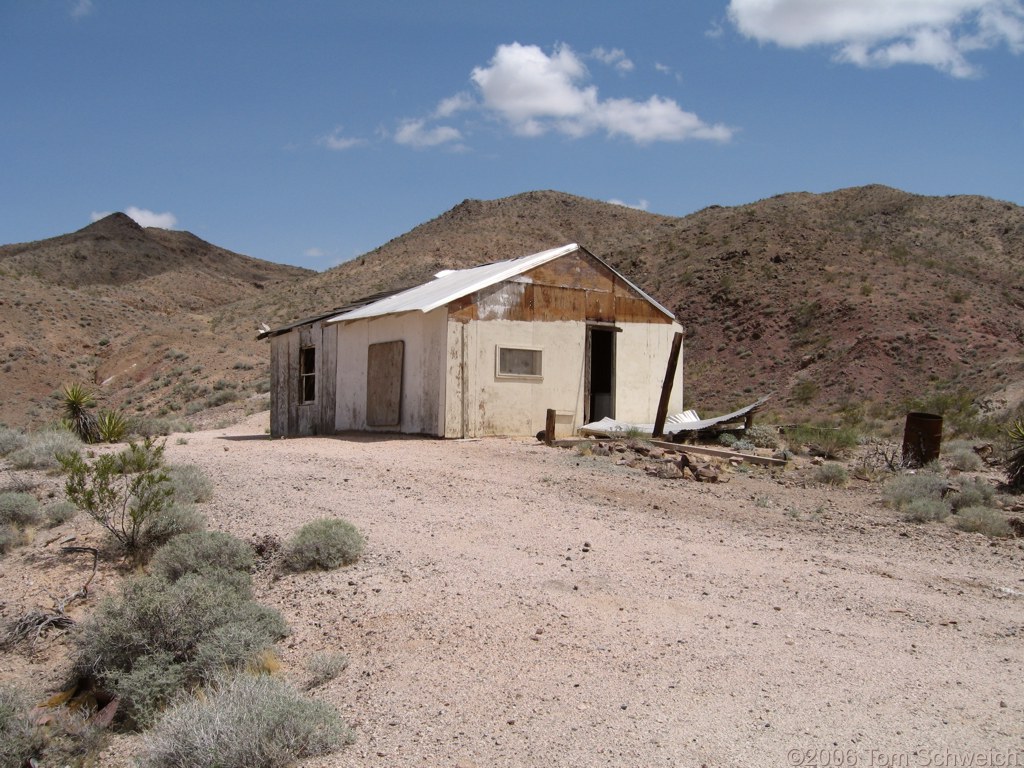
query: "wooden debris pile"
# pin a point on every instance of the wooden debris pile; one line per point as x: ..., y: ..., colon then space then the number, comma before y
x: 664, y: 462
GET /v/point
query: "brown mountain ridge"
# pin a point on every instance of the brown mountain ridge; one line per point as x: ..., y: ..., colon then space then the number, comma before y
x: 862, y: 295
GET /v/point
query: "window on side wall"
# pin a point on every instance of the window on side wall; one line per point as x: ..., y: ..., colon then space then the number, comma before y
x: 307, y: 374
x: 519, y: 363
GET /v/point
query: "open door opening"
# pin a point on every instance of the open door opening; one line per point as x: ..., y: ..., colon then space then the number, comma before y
x: 600, y: 374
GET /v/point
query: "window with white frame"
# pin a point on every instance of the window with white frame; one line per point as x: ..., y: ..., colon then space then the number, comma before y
x: 519, y: 362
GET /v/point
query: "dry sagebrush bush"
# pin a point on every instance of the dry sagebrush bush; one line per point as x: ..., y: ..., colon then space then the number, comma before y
x: 159, y: 637
x: 19, y: 738
x: 244, y: 721
x: 984, y: 520
x: 926, y: 510
x: 19, y: 509
x: 215, y: 554
x: 323, y: 544
x: 189, y: 483
x: 831, y: 474
x: 899, y: 491
x: 43, y: 449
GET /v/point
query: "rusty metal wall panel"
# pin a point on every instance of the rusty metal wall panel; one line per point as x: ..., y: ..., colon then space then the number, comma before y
x: 633, y: 310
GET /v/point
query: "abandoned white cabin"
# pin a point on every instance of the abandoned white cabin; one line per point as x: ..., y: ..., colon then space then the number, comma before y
x: 480, y: 351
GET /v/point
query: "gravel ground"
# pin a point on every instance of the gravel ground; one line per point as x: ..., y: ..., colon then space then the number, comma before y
x: 519, y: 605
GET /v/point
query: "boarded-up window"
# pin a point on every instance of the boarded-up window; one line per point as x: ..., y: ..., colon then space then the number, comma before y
x: 384, y: 384
x: 307, y: 374
x: 519, y: 362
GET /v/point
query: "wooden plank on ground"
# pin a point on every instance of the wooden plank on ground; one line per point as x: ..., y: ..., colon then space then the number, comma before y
x: 720, y: 453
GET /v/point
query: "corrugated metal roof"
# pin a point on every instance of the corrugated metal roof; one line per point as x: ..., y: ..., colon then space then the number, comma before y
x: 450, y: 285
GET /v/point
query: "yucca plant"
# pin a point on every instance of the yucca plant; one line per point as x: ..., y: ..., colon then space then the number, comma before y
x: 77, y: 401
x: 1015, y: 463
x: 112, y: 426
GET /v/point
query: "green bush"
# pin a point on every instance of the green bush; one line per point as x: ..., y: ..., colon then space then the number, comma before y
x: 831, y: 474
x: 11, y: 440
x: 190, y: 483
x: 926, y: 510
x: 1015, y: 457
x: 323, y: 544
x: 983, y: 520
x: 974, y: 492
x: 727, y: 439
x: 20, y: 741
x: 112, y: 426
x: 762, y: 436
x: 19, y: 509
x: 900, y: 490
x: 130, y: 495
x: 43, y: 448
x: 158, y: 638
x: 244, y: 721
x: 209, y: 553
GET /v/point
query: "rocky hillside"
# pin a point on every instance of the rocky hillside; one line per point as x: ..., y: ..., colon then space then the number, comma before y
x: 129, y: 310
x: 862, y: 297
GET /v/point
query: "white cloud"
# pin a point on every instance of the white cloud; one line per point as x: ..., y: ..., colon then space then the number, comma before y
x: 616, y: 57
x: 639, y: 206
x: 535, y: 93
x: 80, y: 8
x: 415, y: 133
x: 457, y: 103
x: 882, y: 33
x: 143, y: 217
x: 336, y: 141
x: 313, y: 253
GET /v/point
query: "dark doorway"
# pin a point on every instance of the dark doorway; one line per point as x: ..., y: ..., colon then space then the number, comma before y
x: 600, y: 394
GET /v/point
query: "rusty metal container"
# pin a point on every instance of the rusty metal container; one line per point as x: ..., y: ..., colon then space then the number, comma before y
x: 922, y: 439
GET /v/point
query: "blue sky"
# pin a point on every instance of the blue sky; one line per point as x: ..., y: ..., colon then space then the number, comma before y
x: 311, y: 132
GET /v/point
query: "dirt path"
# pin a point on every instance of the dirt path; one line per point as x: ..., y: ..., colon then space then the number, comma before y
x: 520, y: 605
x: 526, y: 606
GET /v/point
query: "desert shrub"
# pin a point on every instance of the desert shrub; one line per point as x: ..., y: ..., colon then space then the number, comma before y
x: 19, y: 738
x: 208, y: 553
x: 727, y: 439
x: 974, y: 492
x: 189, y: 483
x: 11, y: 440
x: 43, y: 448
x: 77, y: 402
x: 59, y: 512
x: 900, y: 490
x: 156, y: 427
x: 130, y: 495
x: 244, y: 721
x: 1015, y: 456
x: 824, y: 441
x: 324, y: 667
x: 925, y: 510
x: 323, y: 544
x: 831, y: 474
x: 19, y: 509
x: 112, y: 426
x: 762, y: 436
x: 965, y: 460
x: 159, y: 637
x: 743, y: 445
x: 983, y: 520
x: 10, y: 537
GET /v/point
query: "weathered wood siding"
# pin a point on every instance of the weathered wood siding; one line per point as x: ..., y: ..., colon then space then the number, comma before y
x: 289, y: 417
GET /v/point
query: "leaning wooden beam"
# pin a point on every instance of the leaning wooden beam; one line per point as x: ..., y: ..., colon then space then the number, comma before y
x: 721, y: 453
x: 666, y: 386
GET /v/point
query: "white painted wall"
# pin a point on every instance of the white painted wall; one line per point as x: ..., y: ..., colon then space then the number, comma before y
x: 423, y: 370
x: 494, y: 405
